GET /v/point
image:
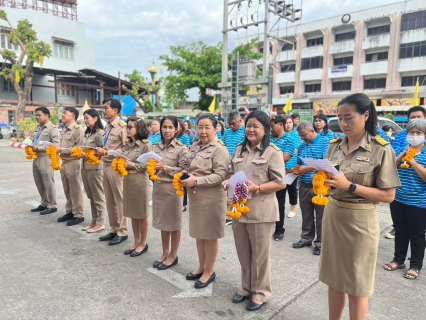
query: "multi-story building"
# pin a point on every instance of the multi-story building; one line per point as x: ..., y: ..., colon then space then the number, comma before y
x: 379, y: 51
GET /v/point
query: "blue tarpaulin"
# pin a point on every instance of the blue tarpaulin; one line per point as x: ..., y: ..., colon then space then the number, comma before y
x: 128, y: 105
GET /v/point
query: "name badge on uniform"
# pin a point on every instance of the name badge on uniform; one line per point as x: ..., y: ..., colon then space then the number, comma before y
x: 261, y: 158
x: 209, y: 151
x: 363, y: 159
x: 171, y: 151
x: 333, y: 159
x: 138, y: 150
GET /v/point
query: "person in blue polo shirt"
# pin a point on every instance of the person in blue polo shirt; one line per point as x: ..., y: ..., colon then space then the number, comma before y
x: 314, y: 146
x: 321, y: 126
x: 155, y: 136
x: 236, y: 132
x: 408, y: 210
x: 288, y: 146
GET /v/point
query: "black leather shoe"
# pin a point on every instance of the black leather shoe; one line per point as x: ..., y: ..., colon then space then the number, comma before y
x: 108, y: 237
x: 238, y: 298
x: 191, y: 276
x: 317, y: 251
x: 278, y: 236
x: 199, y: 285
x: 128, y: 251
x: 48, y: 211
x: 253, y: 306
x: 135, y: 253
x: 117, y: 240
x: 157, y: 263
x: 74, y: 221
x: 66, y: 217
x: 301, y: 244
x: 163, y: 266
x: 39, y: 208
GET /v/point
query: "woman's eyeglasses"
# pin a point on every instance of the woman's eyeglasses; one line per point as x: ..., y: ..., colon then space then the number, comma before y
x: 129, y: 127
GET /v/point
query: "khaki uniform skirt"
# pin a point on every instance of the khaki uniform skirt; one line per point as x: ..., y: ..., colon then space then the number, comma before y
x: 136, y: 195
x: 166, y: 207
x: 350, y: 241
x: 207, y: 212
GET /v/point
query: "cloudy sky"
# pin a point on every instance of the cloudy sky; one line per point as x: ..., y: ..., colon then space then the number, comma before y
x: 131, y: 33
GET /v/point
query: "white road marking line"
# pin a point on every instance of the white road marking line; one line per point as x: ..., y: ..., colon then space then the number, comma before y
x: 7, y: 191
x: 33, y: 203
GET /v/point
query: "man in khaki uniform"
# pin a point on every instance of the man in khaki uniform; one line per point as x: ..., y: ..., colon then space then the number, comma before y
x: 114, y: 140
x: 72, y: 137
x: 42, y: 170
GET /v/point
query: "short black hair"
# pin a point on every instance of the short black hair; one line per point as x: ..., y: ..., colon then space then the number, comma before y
x: 295, y: 116
x: 210, y: 117
x: 113, y: 103
x: 279, y: 119
x: 98, y: 124
x: 72, y: 110
x: 141, y: 128
x: 263, y: 118
x: 386, y: 128
x: 323, y: 118
x: 44, y: 110
x: 415, y: 109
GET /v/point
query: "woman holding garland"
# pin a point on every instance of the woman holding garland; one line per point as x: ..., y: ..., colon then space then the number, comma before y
x: 263, y: 165
x: 166, y: 204
x: 207, y: 168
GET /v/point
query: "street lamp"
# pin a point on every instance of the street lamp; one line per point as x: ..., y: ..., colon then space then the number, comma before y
x: 153, y: 72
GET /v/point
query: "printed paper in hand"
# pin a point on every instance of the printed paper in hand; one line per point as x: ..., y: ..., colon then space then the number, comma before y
x: 321, y: 165
x: 239, y: 177
x: 116, y: 154
x: 144, y: 159
x: 45, y: 143
x: 290, y: 177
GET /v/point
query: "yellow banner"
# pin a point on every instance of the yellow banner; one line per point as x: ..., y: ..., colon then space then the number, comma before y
x: 405, y: 102
x: 330, y: 107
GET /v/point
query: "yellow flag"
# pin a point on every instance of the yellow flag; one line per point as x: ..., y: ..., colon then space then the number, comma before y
x: 289, y: 104
x: 417, y: 93
x: 212, y: 107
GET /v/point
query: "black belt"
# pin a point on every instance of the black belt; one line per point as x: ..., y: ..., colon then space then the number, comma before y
x: 309, y: 185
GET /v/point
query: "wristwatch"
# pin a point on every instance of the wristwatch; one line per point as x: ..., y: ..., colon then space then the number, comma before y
x: 352, y: 187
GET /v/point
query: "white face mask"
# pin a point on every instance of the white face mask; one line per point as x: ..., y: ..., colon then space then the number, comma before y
x: 415, y: 140
x: 389, y: 134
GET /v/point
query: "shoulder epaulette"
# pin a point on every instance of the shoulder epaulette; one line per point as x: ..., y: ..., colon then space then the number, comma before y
x: 274, y: 146
x: 76, y: 126
x: 179, y: 143
x: 335, y: 140
x: 97, y: 130
x: 145, y: 141
x: 122, y: 123
x: 53, y: 126
x: 221, y: 142
x: 380, y: 140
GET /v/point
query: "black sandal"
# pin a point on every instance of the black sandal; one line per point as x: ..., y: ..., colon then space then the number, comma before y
x: 391, y: 268
x: 410, y: 276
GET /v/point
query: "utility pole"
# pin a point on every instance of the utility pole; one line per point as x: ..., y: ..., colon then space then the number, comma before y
x: 265, y: 105
x: 224, y: 94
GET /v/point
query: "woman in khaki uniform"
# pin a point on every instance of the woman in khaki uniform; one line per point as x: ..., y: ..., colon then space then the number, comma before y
x: 350, y: 223
x: 166, y: 205
x: 93, y: 175
x: 136, y: 184
x: 264, y: 167
x: 208, y: 167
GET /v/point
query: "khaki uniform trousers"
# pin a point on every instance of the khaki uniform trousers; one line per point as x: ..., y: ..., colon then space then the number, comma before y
x: 253, y: 243
x: 93, y: 184
x: 113, y: 187
x: 45, y: 181
x: 71, y: 181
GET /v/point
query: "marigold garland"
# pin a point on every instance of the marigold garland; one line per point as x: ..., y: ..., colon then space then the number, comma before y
x: 91, y: 157
x: 118, y: 166
x: 77, y: 152
x: 293, y: 170
x: 150, y: 169
x: 31, y: 155
x: 178, y: 185
x: 54, y: 157
x: 239, y: 200
x: 320, y: 189
x: 408, y: 157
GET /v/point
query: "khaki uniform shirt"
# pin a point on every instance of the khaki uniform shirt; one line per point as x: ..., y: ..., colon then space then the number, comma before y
x: 49, y: 133
x: 72, y: 137
x: 133, y: 150
x: 95, y: 140
x: 175, y: 157
x: 260, y: 169
x: 371, y: 164
x: 115, y: 138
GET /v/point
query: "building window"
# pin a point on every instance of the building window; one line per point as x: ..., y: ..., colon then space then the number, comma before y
x: 66, y: 90
x: 313, y: 87
x: 63, y: 50
x: 375, y: 83
x: 412, y: 21
x: 312, y: 63
x: 288, y: 68
x: 288, y: 46
x: 6, y: 43
x: 412, y: 80
x: 315, y: 42
x: 261, y: 50
x: 343, y: 61
x: 285, y: 90
x: 9, y: 86
x: 412, y: 50
x: 378, y: 30
x: 345, y: 36
x: 372, y: 57
x: 342, y: 85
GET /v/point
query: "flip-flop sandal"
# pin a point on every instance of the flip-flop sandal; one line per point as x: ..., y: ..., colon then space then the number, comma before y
x: 411, y: 276
x: 389, y: 267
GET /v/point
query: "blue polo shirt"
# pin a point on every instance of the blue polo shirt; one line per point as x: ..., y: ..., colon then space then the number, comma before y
x: 382, y: 134
x: 296, y: 138
x: 400, y: 143
x: 412, y: 191
x: 154, y: 138
x: 287, y: 145
x: 233, y: 138
x: 219, y: 135
x: 184, y: 139
x: 317, y: 149
x: 329, y: 136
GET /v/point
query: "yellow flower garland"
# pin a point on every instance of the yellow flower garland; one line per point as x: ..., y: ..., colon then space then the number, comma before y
x: 320, y: 189
x: 77, y: 152
x: 178, y: 185
x: 31, y: 155
x: 239, y: 201
x: 150, y: 169
x: 410, y: 156
x: 54, y: 157
x: 118, y: 166
x: 91, y: 157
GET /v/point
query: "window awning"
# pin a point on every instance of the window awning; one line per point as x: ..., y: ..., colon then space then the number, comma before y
x: 63, y: 40
x: 343, y: 28
x: 379, y: 21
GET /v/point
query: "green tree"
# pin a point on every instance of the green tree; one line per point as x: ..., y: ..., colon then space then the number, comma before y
x: 20, y: 67
x: 199, y: 66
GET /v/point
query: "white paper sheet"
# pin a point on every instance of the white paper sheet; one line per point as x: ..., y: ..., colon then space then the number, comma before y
x: 321, y: 165
x: 238, y: 177
x: 144, y: 159
x: 290, y: 177
x: 116, y: 154
x: 45, y: 143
